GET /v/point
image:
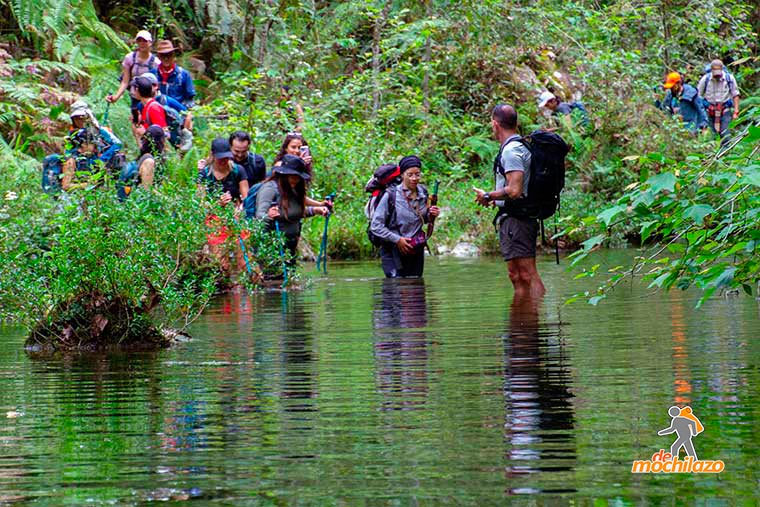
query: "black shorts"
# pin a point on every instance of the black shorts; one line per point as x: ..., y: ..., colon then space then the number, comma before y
x: 517, y: 237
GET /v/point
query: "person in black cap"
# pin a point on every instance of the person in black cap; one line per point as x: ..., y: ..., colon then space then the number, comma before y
x: 220, y: 175
x: 398, y: 221
x: 282, y: 199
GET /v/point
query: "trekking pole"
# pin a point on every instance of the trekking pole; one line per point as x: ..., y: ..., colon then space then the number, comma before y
x: 556, y: 239
x: 433, y: 202
x: 105, y: 115
x: 322, y: 257
x: 242, y: 247
x: 282, y: 255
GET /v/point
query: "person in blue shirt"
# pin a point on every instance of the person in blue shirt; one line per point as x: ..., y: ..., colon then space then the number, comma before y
x: 86, y: 145
x: 173, y: 80
x: 683, y: 99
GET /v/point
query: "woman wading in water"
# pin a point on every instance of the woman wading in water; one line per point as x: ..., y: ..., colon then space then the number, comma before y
x: 399, y: 219
x: 282, y: 200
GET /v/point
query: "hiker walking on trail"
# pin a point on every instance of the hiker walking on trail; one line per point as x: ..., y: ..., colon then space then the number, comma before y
x: 517, y: 235
x: 178, y: 116
x: 281, y: 200
x: 220, y: 176
x: 397, y: 222
x: 575, y: 109
x: 254, y: 164
x: 173, y: 80
x: 151, y: 112
x: 135, y: 63
x: 295, y: 144
x: 683, y: 99
x: 718, y: 88
x: 224, y: 181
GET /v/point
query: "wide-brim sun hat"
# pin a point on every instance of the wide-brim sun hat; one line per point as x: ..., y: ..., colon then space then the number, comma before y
x: 293, y: 165
x: 165, y: 47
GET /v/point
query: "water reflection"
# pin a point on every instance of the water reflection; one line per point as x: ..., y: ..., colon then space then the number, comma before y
x: 399, y: 319
x: 539, y: 420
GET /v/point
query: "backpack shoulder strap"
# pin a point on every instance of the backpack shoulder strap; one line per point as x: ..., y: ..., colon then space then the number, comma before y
x: 132, y: 67
x: 151, y: 60
x: 497, y: 163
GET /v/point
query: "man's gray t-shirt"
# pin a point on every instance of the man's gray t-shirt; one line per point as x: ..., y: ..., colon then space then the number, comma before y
x: 514, y: 157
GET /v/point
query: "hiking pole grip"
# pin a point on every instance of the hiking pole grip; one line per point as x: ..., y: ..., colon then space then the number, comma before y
x: 433, y: 201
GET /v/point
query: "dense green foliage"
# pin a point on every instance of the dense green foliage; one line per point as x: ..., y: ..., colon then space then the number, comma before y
x: 379, y: 80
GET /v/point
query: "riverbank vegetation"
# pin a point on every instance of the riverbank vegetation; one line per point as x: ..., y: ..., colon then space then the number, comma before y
x: 379, y: 80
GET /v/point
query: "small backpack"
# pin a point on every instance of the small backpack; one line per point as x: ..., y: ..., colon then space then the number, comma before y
x: 52, y: 166
x: 578, y: 108
x: 173, y: 117
x: 150, y: 63
x: 547, y: 176
x: 249, y: 203
x: 385, y: 178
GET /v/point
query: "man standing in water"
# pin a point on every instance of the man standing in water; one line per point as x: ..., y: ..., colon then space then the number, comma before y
x: 517, y: 235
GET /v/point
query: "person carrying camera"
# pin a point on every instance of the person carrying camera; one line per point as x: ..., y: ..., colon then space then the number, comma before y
x: 398, y: 221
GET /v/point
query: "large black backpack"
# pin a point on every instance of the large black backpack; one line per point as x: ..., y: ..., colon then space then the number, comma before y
x: 386, y: 177
x: 546, y: 179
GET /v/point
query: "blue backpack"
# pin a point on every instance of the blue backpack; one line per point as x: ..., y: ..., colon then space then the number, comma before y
x: 581, y: 111
x: 52, y: 166
x: 249, y: 203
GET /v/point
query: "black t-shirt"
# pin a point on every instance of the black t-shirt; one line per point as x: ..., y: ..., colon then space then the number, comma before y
x: 255, y: 168
x: 230, y: 183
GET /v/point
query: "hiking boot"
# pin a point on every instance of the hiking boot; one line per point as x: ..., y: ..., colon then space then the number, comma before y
x: 185, y: 140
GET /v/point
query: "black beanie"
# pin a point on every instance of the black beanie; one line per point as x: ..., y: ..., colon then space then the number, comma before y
x: 409, y: 162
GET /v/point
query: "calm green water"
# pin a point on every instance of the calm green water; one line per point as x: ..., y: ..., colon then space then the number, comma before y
x: 359, y: 391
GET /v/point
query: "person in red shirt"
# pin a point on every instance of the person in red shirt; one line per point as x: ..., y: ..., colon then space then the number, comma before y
x: 152, y: 112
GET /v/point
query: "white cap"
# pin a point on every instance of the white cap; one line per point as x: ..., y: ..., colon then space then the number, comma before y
x: 79, y: 108
x: 144, y: 34
x: 544, y: 98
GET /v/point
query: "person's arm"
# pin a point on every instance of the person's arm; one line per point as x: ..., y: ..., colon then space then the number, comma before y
x: 734, y: 90
x: 667, y: 431
x: 243, y: 186
x: 126, y: 77
x: 377, y: 226
x: 188, y: 91
x: 513, y: 190
x: 175, y: 104
x: 113, y: 142
x: 299, y: 115
x: 264, y: 200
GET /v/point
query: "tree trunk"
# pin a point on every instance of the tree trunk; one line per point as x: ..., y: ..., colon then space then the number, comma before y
x: 665, y: 32
x: 376, y: 36
x: 426, y: 61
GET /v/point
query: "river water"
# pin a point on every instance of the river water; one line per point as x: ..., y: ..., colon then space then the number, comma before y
x: 361, y: 391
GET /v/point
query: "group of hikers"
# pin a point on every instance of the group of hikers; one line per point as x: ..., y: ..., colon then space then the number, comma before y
x: 528, y: 171
x: 713, y: 103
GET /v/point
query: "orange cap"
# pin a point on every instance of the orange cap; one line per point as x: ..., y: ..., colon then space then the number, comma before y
x: 673, y: 79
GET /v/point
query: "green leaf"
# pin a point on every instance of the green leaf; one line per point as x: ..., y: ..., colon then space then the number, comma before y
x: 752, y: 175
x: 662, y: 181
x: 607, y: 215
x: 698, y: 212
x: 646, y: 230
x: 593, y: 242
